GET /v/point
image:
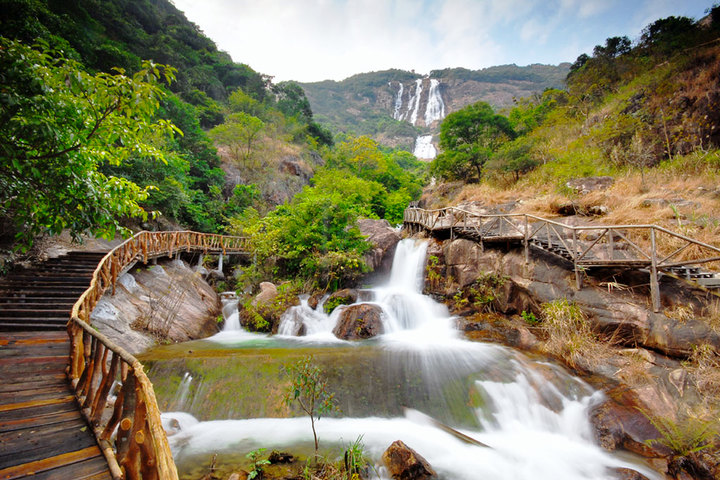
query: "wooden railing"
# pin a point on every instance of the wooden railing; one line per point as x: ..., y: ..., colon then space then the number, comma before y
x: 640, y: 246
x: 115, y: 395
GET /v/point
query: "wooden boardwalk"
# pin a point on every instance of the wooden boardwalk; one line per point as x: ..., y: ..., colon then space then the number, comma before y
x: 650, y: 248
x: 42, y: 432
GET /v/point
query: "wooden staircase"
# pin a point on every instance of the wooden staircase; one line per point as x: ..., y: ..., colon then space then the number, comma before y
x: 42, y: 432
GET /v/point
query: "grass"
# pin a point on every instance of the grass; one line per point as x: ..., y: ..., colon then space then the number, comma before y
x: 569, y: 335
x: 704, y: 369
x: 686, y: 435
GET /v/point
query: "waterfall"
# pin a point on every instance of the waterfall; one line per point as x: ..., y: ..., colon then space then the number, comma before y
x: 397, y: 114
x: 415, y: 101
x: 533, y: 415
x: 424, y: 147
x: 435, y: 109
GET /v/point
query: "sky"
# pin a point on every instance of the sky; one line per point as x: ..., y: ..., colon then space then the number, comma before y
x: 314, y: 40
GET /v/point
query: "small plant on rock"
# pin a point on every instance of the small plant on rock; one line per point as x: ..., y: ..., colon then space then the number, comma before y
x: 309, y: 389
x: 257, y: 463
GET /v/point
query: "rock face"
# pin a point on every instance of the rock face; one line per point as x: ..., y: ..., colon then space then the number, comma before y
x: 359, y: 321
x: 346, y: 296
x: 268, y: 291
x: 586, y: 185
x: 168, y: 301
x: 384, y: 239
x: 404, y: 463
x: 622, y: 313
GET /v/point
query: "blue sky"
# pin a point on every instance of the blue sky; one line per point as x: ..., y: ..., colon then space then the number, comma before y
x: 312, y: 40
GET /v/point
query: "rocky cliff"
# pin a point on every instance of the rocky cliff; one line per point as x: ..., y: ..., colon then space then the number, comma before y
x: 167, y: 302
x: 647, y: 363
x: 397, y: 108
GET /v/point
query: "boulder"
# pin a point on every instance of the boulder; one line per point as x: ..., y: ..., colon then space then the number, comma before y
x: 627, y: 474
x: 404, y: 463
x: 166, y: 302
x: 462, y: 258
x: 383, y: 238
x: 359, y: 321
x: 620, y: 424
x: 346, y: 296
x: 585, y: 185
x: 268, y: 292
x: 314, y: 300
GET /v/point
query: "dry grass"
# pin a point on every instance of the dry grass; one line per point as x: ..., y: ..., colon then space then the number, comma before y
x: 570, y: 337
x: 486, y: 193
x: 711, y: 315
x: 704, y: 368
x: 546, y: 206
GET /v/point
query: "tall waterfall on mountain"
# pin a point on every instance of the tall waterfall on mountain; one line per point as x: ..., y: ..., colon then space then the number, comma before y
x: 397, y: 114
x: 435, y: 109
x: 431, y: 103
x: 416, y: 100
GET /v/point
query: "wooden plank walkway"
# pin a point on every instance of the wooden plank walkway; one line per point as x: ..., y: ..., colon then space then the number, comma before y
x: 42, y: 433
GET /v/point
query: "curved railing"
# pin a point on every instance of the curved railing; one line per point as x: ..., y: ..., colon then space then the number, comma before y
x: 642, y: 246
x: 111, y: 387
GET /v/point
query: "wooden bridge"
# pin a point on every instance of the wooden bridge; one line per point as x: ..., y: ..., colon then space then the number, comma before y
x: 645, y: 247
x: 78, y: 406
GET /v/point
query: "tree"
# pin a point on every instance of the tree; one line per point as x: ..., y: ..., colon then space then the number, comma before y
x: 240, y: 133
x: 469, y: 138
x: 309, y: 389
x: 58, y: 126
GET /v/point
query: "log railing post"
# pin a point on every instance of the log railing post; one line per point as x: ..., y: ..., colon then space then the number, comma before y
x: 654, y: 283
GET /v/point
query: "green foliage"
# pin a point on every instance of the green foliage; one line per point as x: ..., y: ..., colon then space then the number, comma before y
x: 258, y: 463
x: 469, y: 137
x: 481, y: 293
x: 355, y: 460
x: 684, y: 436
x: 264, y: 317
x: 529, y: 318
x: 59, y: 126
x: 309, y: 389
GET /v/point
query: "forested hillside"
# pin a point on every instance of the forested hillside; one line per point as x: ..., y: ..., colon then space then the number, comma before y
x: 120, y: 115
x: 368, y: 103
x: 627, y: 107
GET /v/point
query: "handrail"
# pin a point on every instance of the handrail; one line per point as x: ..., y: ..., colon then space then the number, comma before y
x: 127, y: 424
x: 603, y: 249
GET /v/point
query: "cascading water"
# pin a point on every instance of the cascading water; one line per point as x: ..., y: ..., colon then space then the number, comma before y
x: 397, y: 113
x: 435, y: 109
x: 414, y: 103
x: 424, y: 147
x: 532, y: 414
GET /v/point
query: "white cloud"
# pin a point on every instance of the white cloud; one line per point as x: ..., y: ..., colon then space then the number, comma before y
x: 312, y: 40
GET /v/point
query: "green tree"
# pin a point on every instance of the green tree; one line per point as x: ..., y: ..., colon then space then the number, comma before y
x: 309, y: 389
x: 58, y: 125
x: 240, y: 133
x: 469, y: 138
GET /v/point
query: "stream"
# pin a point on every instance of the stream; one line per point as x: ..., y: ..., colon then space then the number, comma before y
x: 224, y: 394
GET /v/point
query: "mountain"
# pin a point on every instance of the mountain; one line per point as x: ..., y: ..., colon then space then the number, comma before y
x: 404, y: 109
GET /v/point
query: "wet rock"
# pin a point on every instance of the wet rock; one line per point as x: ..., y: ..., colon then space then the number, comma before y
x: 346, y: 296
x: 359, y: 321
x: 627, y: 474
x: 620, y: 423
x: 268, y: 292
x: 167, y: 302
x: 404, y: 463
x: 280, y: 457
x: 496, y: 328
x: 314, y: 300
x: 585, y: 185
x: 384, y: 240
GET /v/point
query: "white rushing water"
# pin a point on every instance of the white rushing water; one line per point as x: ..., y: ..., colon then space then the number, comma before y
x: 435, y: 109
x: 424, y: 147
x: 531, y: 414
x: 397, y: 111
